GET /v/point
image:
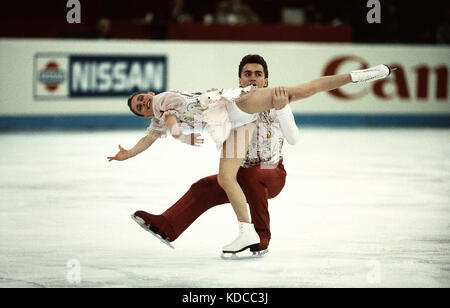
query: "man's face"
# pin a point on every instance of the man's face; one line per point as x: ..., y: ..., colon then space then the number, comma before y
x: 142, y: 104
x: 252, y: 74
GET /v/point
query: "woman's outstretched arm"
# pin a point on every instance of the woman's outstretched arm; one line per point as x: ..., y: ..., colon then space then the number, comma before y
x: 143, y: 144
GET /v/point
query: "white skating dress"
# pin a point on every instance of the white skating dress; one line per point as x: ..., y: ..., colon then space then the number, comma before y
x: 215, y: 111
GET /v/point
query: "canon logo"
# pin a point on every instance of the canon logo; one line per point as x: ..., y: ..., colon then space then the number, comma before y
x: 399, y: 81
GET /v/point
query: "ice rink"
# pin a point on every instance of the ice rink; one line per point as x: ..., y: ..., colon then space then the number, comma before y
x: 361, y: 208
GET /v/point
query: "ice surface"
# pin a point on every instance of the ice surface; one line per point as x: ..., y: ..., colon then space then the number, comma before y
x: 361, y: 208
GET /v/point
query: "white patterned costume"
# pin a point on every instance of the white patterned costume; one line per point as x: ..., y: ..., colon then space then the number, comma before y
x: 214, y: 111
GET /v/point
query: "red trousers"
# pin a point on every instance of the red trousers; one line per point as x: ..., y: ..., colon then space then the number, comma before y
x: 259, y: 185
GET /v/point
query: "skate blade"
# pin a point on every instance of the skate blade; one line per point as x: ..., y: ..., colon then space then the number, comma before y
x: 144, y: 226
x: 243, y: 255
x: 391, y: 69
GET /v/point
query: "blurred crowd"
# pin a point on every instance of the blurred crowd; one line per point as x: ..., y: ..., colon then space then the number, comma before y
x: 401, y: 21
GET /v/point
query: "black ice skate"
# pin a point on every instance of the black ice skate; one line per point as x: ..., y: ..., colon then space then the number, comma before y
x: 148, y: 228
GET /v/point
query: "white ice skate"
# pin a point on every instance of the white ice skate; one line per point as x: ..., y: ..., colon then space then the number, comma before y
x: 247, y: 238
x: 371, y: 74
x: 146, y: 227
x: 244, y: 255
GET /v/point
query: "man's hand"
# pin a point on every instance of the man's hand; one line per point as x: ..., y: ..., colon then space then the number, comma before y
x: 192, y: 139
x: 280, y: 97
x: 121, y: 155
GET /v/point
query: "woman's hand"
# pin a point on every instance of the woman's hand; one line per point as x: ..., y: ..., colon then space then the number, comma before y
x: 121, y: 155
x: 172, y: 124
x: 193, y: 139
x: 280, y: 97
x: 175, y: 131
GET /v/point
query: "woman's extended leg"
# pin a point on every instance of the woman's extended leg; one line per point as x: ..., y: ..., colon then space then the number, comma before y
x: 261, y: 99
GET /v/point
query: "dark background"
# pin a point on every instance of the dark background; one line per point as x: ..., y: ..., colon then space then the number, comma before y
x: 410, y: 22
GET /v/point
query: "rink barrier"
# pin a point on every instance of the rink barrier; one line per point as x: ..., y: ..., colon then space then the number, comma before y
x: 74, y: 77
x: 133, y: 122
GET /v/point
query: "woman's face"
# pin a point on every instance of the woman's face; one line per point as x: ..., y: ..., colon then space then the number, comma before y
x: 143, y: 104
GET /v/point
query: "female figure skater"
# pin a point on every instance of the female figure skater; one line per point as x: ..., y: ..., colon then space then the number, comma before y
x: 229, y: 116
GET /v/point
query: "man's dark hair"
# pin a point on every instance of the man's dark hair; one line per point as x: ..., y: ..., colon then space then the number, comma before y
x: 253, y: 59
x: 129, y: 103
